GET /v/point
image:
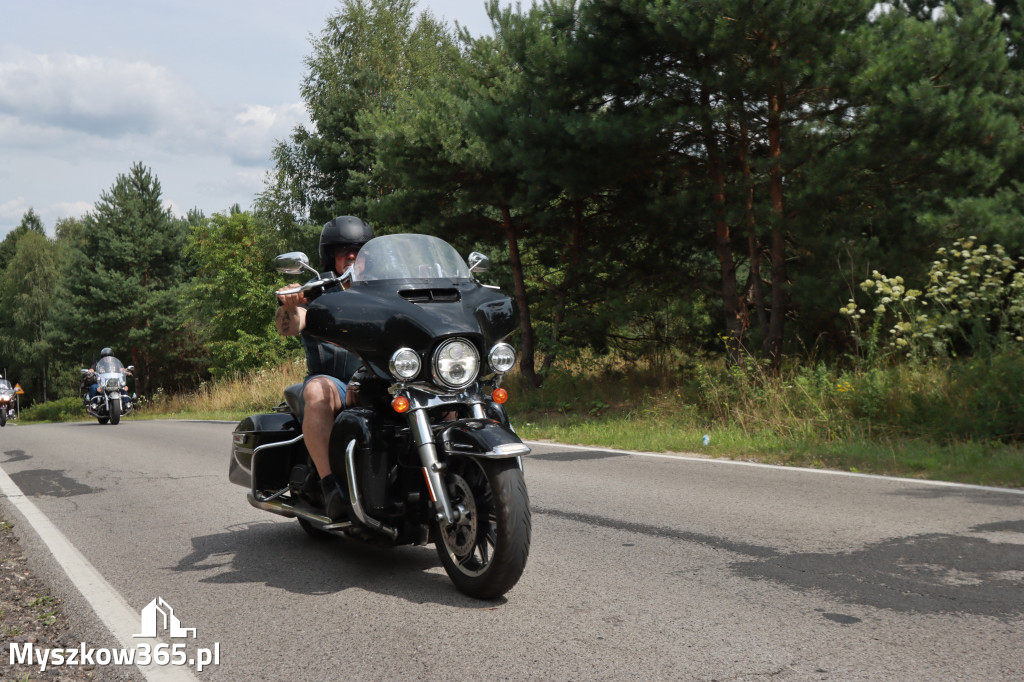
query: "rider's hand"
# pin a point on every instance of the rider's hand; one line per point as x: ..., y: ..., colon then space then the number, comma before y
x: 293, y: 300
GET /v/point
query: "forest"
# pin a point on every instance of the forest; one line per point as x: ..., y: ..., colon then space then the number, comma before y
x: 666, y: 182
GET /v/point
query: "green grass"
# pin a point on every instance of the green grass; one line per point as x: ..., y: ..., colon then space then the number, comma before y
x: 936, y: 421
x: 982, y: 463
x: 953, y: 422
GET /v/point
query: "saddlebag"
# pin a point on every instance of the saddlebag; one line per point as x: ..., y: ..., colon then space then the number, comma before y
x: 274, y: 463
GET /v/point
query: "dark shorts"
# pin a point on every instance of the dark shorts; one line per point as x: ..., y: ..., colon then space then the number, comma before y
x: 338, y: 384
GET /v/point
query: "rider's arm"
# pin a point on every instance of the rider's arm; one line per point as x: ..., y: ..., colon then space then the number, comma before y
x: 290, y: 317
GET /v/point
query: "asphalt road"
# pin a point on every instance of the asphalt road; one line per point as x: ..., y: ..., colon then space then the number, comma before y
x: 641, y: 568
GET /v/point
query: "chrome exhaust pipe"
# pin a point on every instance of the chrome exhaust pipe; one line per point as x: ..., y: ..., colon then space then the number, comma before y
x: 288, y: 511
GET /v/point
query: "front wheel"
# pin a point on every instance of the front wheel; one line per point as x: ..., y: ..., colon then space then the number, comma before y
x: 3, y: 416
x: 114, y: 409
x: 484, y: 552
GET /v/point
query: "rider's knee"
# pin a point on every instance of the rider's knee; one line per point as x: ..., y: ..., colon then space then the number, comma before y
x: 320, y: 391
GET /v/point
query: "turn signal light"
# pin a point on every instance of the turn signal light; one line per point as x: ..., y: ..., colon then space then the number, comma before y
x: 400, y: 404
x: 499, y: 396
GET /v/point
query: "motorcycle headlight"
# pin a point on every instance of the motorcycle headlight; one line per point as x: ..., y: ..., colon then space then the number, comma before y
x: 502, y: 358
x: 405, y: 364
x: 113, y: 383
x: 456, y: 363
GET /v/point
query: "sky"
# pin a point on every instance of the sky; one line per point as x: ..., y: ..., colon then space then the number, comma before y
x: 198, y: 91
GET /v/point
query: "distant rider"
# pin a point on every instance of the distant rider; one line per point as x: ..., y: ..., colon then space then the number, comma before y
x: 91, y: 378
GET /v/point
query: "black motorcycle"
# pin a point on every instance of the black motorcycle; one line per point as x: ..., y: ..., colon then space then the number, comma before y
x: 428, y: 454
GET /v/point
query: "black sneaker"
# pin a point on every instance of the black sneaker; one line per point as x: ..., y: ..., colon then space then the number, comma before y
x: 335, y: 499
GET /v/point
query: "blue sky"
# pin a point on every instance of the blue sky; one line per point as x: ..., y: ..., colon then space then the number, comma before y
x: 196, y: 90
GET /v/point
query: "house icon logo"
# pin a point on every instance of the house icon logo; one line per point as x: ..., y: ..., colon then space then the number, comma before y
x: 158, y: 616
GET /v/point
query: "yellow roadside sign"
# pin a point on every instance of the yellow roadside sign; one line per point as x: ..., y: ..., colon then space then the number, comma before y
x: 17, y: 389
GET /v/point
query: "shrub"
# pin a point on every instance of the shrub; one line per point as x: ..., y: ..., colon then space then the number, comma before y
x: 974, y: 300
x: 983, y: 399
x: 62, y: 410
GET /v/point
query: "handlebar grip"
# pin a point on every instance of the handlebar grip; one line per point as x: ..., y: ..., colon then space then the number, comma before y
x: 289, y: 292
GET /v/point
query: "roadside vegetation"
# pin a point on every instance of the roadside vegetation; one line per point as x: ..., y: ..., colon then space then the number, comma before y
x: 793, y: 227
x: 943, y: 421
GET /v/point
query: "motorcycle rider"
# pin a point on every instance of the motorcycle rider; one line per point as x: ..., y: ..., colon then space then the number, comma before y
x: 91, y: 379
x: 329, y: 367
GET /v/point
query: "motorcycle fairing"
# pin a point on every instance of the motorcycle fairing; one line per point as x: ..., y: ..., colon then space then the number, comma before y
x: 372, y: 318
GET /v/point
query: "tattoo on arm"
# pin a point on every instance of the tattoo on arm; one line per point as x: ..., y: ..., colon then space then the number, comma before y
x: 285, y: 321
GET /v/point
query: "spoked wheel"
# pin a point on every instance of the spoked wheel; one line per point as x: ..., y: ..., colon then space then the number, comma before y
x: 115, y: 410
x: 484, y: 552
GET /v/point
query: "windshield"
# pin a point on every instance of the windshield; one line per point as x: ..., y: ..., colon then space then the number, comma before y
x: 5, y: 385
x: 109, y: 364
x: 408, y: 256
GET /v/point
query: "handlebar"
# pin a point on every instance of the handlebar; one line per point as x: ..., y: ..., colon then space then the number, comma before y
x: 326, y: 279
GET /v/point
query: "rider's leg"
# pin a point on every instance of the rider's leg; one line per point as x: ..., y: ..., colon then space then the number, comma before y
x: 322, y: 404
x: 324, y: 399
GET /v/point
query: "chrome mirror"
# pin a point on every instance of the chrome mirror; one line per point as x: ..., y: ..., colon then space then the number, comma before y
x: 293, y: 263
x: 478, y: 262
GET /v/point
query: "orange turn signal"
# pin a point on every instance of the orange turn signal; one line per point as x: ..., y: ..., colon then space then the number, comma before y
x: 499, y: 396
x: 400, y: 404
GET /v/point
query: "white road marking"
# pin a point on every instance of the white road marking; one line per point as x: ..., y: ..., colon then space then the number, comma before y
x: 119, y: 618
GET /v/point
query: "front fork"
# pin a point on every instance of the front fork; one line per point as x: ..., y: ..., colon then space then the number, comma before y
x: 433, y: 467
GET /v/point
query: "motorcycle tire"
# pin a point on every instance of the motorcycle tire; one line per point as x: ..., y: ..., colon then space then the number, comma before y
x: 102, y: 420
x: 485, y: 552
x: 115, y: 411
x: 3, y: 417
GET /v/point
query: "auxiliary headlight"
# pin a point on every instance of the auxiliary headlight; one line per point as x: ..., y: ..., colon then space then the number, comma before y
x: 502, y: 358
x: 405, y: 364
x: 456, y: 363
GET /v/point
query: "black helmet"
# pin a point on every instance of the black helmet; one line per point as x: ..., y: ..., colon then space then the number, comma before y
x: 106, y: 352
x: 346, y: 230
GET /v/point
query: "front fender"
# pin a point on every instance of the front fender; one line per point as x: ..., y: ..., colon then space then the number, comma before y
x: 480, y: 438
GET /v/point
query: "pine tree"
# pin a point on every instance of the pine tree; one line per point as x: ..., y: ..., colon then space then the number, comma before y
x: 124, y: 285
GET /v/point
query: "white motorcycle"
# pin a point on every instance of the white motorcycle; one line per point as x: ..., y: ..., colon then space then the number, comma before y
x: 111, y: 400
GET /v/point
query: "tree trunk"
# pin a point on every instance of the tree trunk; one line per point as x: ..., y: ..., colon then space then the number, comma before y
x: 723, y: 241
x: 780, y: 300
x: 526, y: 362
x: 755, y: 283
x: 561, y: 293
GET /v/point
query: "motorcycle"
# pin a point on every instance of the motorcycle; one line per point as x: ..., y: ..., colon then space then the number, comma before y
x: 112, y: 400
x: 428, y: 454
x: 8, y: 408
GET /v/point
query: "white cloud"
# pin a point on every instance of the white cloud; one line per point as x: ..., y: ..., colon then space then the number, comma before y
x: 251, y: 134
x: 199, y: 95
x: 12, y: 210
x: 89, y: 102
x: 103, y: 97
x: 70, y: 209
x: 78, y: 121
